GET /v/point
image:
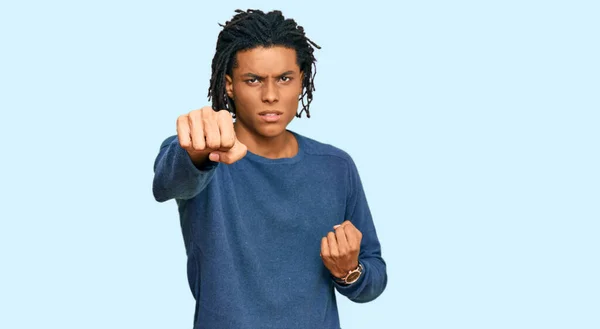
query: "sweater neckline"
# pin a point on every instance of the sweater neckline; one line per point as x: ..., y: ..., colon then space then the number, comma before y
x: 257, y: 158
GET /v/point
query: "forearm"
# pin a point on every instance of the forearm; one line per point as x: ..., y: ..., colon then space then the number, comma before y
x: 374, y: 278
x: 175, y: 174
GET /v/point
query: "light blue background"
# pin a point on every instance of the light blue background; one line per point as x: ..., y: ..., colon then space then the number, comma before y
x: 474, y: 126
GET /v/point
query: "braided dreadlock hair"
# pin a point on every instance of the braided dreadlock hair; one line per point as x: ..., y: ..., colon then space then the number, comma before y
x: 254, y: 28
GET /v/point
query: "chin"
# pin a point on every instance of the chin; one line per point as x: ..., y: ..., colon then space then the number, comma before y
x: 272, y: 130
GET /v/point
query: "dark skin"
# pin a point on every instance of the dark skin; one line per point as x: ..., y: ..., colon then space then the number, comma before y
x: 340, y: 249
x: 264, y: 80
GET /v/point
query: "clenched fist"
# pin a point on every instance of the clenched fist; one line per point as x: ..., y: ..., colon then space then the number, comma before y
x: 206, y: 133
x: 340, y: 250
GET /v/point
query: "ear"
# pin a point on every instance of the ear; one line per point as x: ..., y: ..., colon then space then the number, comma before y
x: 229, y: 86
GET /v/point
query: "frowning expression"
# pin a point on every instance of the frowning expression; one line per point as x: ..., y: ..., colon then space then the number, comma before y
x: 265, y: 85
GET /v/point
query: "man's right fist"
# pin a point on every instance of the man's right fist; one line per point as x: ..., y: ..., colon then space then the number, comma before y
x: 206, y: 133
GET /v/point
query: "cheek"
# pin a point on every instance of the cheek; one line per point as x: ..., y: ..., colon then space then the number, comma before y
x: 244, y: 95
x: 293, y: 94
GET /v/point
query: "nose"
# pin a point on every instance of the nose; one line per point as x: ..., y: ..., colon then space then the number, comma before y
x: 270, y: 92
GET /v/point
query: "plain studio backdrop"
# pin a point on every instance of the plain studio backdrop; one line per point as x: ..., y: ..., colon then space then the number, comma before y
x: 474, y: 126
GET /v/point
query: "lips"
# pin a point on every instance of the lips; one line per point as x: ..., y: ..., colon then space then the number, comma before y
x: 270, y: 112
x: 270, y: 116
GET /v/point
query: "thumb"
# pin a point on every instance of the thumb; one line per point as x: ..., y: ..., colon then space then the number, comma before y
x: 214, y: 156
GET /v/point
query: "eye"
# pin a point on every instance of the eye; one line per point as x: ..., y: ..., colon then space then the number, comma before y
x: 285, y: 79
x: 251, y: 81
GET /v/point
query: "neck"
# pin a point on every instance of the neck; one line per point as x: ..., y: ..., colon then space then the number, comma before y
x: 283, y: 145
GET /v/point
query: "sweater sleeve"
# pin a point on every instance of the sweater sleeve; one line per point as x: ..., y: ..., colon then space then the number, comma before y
x: 374, y: 277
x: 176, y: 176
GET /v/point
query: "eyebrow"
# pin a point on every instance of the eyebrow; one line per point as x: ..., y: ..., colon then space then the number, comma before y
x: 256, y: 76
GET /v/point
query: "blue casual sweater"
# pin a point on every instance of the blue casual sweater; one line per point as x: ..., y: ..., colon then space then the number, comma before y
x: 253, y: 229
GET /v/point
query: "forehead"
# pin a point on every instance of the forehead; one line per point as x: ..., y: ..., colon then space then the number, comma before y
x: 266, y: 61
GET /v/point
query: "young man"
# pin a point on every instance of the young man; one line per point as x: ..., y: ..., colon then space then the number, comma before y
x: 272, y: 221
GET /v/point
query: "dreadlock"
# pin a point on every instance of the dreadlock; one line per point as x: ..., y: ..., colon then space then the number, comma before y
x: 254, y: 28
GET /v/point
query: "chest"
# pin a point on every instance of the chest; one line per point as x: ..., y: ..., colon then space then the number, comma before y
x: 285, y: 208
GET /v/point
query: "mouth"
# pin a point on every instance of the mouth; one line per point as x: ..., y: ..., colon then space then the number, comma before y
x: 270, y: 116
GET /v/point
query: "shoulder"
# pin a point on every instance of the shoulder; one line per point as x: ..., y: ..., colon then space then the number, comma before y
x: 313, y: 147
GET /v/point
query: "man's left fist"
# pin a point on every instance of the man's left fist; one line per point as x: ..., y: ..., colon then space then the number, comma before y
x: 340, y: 250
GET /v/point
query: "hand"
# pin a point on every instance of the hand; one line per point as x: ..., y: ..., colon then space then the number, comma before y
x: 340, y: 250
x: 206, y: 133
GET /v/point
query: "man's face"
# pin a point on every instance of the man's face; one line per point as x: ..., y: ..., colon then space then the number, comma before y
x: 265, y: 87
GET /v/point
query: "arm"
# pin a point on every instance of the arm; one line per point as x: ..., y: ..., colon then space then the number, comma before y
x: 187, y: 162
x: 374, y: 277
x: 176, y: 176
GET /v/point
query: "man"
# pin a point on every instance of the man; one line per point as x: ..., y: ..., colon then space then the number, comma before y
x: 272, y: 221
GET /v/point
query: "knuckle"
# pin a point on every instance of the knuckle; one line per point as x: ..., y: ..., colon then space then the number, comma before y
x: 184, y: 144
x: 207, y: 112
x: 194, y: 115
x: 198, y: 145
x: 212, y: 144
x: 224, y: 113
x: 228, y: 142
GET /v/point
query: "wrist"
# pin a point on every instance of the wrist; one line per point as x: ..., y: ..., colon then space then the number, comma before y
x: 351, y: 276
x: 341, y: 274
